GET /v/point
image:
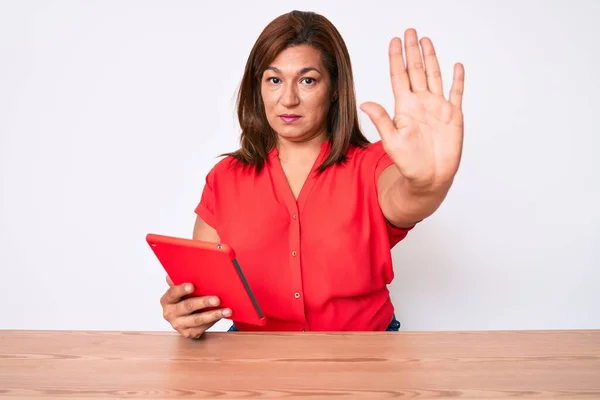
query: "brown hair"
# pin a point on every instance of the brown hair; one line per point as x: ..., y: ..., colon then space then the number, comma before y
x: 293, y: 29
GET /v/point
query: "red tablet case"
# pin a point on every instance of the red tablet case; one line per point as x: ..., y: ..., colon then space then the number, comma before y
x: 213, y: 270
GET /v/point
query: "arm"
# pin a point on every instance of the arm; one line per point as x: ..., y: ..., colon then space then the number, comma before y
x: 424, y: 139
x: 403, y: 205
x: 205, y: 232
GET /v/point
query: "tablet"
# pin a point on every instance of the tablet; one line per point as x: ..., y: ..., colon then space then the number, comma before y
x: 213, y: 270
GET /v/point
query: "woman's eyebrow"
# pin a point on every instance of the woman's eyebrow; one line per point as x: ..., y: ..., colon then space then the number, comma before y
x: 302, y: 71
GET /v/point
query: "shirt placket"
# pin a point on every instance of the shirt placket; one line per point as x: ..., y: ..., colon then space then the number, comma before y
x: 296, y: 265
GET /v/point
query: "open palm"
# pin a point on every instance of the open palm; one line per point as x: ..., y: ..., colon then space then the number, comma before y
x: 424, y: 138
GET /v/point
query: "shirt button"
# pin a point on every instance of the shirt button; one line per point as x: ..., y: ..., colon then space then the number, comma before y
x: 294, y: 253
x: 295, y: 216
x: 297, y: 295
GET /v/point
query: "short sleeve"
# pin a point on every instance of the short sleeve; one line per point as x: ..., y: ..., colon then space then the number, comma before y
x: 395, y: 233
x: 206, y: 207
x: 383, y: 161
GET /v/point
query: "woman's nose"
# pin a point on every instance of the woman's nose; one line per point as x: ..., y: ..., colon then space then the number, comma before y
x: 290, y: 97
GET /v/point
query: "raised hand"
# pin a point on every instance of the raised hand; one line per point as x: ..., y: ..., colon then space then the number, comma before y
x: 424, y: 138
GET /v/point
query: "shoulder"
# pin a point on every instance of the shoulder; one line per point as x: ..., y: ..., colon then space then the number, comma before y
x: 371, y: 159
x: 371, y: 152
x: 227, y: 167
x: 229, y: 174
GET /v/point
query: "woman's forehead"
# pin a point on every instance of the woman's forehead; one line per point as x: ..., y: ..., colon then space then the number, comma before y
x: 296, y: 59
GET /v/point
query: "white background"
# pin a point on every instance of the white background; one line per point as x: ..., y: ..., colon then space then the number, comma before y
x: 112, y: 113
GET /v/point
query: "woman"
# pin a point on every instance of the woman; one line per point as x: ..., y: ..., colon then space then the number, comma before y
x: 311, y: 208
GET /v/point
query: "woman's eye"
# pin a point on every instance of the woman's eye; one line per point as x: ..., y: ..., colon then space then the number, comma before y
x: 274, y: 80
x: 309, y: 81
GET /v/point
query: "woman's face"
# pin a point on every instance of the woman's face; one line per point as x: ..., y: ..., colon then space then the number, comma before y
x: 296, y: 93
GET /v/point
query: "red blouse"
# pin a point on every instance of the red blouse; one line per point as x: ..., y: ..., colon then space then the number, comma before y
x: 319, y: 263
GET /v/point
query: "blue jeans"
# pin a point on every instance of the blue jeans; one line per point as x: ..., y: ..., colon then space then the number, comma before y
x: 392, y: 327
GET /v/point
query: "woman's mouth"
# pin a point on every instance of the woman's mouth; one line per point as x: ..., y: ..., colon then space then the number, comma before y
x: 289, y: 118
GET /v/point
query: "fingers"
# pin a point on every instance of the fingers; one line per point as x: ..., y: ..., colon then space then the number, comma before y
x: 194, y: 304
x: 175, y: 293
x: 458, y: 86
x: 200, y: 319
x: 432, y: 67
x: 379, y: 117
x: 414, y: 61
x: 398, y: 74
x: 183, y: 315
x: 196, y: 333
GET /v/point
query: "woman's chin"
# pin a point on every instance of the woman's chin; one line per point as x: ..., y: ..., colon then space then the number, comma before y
x: 292, y: 133
x: 295, y: 134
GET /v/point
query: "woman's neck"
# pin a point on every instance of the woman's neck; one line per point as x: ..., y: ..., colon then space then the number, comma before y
x: 296, y: 152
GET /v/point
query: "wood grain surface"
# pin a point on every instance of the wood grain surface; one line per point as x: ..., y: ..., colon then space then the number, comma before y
x: 236, y: 365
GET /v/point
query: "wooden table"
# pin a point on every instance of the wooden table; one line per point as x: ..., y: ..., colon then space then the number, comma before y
x: 384, y: 365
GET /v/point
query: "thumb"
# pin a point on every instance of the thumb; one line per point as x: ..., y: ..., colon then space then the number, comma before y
x: 379, y: 117
x: 169, y: 281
